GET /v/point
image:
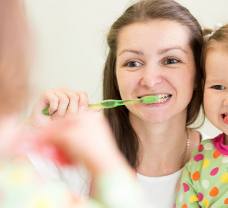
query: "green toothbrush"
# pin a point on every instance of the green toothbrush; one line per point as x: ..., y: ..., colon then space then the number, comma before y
x: 110, y: 103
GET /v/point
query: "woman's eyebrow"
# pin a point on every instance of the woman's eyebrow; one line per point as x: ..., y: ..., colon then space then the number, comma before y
x: 130, y: 51
x: 161, y: 51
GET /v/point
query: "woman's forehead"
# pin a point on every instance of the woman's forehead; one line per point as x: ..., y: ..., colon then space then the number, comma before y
x: 157, y: 34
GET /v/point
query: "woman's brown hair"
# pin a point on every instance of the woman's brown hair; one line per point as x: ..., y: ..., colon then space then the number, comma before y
x: 13, y: 56
x: 142, y: 11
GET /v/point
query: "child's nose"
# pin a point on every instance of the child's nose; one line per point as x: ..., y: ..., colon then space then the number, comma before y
x: 225, y: 101
x: 151, y: 76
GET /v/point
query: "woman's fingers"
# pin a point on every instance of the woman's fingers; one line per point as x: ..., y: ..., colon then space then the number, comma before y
x: 63, y: 102
x: 60, y: 103
x: 50, y: 100
x: 69, y: 102
x: 83, y: 100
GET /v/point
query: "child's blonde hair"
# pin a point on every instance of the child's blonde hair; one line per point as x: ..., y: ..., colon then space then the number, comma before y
x: 219, y: 36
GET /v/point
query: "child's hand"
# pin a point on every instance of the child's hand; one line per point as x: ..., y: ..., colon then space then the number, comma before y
x: 85, y: 137
x: 15, y: 137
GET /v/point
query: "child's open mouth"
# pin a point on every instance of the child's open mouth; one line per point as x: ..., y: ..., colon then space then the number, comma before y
x: 225, y: 118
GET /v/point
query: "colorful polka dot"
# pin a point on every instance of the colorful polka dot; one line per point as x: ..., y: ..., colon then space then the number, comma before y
x: 226, y: 201
x: 214, y: 171
x: 214, y: 192
x: 184, y: 206
x: 200, y: 196
x: 205, y: 183
x: 185, y: 187
x: 216, y: 154
x: 206, y: 163
x: 205, y: 203
x: 200, y: 148
x: 208, y: 146
x: 224, y: 178
x: 193, y: 198
x: 196, y: 176
x: 198, y: 157
x: 225, y: 160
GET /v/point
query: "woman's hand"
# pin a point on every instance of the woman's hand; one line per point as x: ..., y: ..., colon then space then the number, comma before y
x: 61, y: 102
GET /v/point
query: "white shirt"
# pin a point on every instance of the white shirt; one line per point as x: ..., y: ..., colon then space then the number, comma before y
x: 159, y: 191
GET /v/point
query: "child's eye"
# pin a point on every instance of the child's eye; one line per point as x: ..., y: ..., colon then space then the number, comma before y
x: 171, y: 60
x: 218, y: 87
x: 133, y: 64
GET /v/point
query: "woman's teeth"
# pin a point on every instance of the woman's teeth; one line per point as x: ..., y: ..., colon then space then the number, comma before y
x: 163, y: 98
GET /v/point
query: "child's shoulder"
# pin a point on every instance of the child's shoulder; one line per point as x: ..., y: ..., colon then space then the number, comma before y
x: 208, y: 145
x: 206, y: 150
x: 204, y: 146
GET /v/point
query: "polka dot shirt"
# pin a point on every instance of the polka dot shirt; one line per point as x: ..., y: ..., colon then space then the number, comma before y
x: 204, y: 181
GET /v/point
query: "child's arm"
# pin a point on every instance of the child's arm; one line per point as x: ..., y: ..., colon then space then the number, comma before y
x: 186, y: 194
x: 87, y: 138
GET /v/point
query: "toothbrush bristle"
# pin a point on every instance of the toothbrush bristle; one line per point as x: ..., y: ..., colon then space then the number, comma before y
x: 150, y: 99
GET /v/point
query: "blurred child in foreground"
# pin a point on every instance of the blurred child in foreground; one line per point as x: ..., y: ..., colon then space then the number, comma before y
x: 66, y: 141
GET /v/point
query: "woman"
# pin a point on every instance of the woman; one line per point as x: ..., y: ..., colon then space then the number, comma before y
x: 154, y: 49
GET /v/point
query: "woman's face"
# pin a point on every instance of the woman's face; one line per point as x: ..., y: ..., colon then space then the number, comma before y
x: 154, y: 58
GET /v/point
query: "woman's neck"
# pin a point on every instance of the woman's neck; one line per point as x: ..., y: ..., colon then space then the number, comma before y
x: 162, y: 146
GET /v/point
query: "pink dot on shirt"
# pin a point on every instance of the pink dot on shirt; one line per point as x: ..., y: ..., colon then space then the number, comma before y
x: 185, y: 187
x: 198, y: 157
x: 200, y: 148
x: 214, y: 171
x: 200, y: 196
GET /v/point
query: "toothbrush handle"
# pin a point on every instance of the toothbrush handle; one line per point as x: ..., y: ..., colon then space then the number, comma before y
x: 104, y: 104
x: 45, y: 111
x: 96, y: 106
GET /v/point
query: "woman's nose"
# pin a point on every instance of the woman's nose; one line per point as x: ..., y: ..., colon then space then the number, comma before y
x: 151, y: 76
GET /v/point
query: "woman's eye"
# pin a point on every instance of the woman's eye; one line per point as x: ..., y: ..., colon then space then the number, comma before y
x: 217, y: 87
x: 133, y: 64
x: 170, y: 60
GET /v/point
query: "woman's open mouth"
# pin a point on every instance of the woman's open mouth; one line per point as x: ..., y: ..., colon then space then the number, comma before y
x: 162, y: 98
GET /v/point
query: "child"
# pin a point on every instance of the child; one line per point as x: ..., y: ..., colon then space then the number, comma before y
x: 20, y: 185
x: 204, y: 182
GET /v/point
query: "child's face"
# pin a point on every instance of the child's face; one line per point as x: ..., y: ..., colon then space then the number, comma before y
x: 155, y: 57
x: 216, y: 87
